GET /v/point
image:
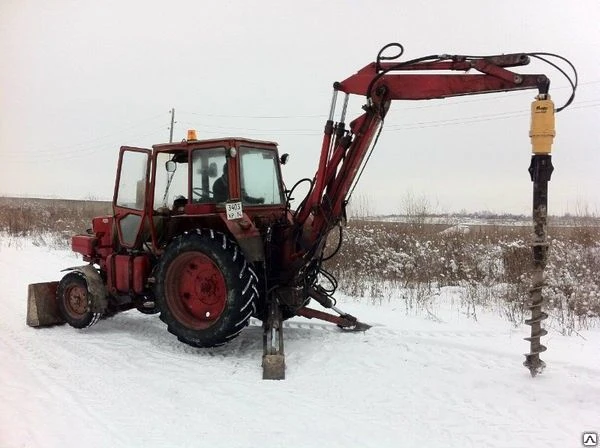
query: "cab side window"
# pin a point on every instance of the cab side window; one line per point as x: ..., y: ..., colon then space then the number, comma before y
x: 170, y: 186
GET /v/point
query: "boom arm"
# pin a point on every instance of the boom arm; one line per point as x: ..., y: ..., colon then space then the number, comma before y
x: 343, y: 151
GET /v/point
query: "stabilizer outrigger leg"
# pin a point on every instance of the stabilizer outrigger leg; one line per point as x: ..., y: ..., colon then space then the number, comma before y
x: 273, y: 362
x: 345, y: 321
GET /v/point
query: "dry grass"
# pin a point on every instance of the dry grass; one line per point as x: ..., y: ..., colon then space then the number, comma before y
x: 27, y: 217
x: 490, y: 264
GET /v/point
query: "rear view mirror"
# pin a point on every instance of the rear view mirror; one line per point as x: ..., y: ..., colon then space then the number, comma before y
x: 284, y: 158
x: 170, y: 166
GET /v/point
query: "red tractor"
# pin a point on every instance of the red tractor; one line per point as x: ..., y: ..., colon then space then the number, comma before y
x: 202, y: 231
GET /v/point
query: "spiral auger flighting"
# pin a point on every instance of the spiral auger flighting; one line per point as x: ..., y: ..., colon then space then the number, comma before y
x: 542, y: 134
x: 532, y: 359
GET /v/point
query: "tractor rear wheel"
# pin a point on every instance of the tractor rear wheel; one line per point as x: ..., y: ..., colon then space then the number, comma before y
x: 75, y: 302
x: 205, y: 288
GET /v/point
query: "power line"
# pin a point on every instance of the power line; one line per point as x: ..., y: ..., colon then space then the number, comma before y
x: 70, y: 152
x: 413, y: 125
x: 28, y: 157
x: 200, y: 125
x: 70, y: 148
x: 260, y: 117
x: 476, y: 118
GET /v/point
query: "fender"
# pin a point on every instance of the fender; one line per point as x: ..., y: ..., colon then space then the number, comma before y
x: 246, y: 235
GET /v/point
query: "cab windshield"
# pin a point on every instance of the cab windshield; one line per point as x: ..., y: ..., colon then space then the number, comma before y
x: 259, y: 176
x: 209, y: 167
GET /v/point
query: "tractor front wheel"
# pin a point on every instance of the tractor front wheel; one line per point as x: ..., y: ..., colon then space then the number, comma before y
x: 75, y: 302
x: 205, y: 288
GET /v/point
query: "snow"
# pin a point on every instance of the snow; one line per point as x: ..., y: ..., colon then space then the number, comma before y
x: 410, y: 381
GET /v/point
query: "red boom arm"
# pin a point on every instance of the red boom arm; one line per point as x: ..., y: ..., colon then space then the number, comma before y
x: 343, y: 152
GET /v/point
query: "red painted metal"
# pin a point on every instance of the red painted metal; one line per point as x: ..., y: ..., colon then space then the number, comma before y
x: 457, y: 63
x: 235, y: 190
x: 427, y: 87
x: 141, y: 270
x: 196, y: 290
x: 121, y: 212
x: 311, y: 313
x: 122, y: 272
x: 240, y: 228
x: 365, y: 128
x: 200, y: 209
x: 102, y: 227
x: 84, y: 245
x: 110, y: 274
x: 129, y: 273
x: 317, y: 190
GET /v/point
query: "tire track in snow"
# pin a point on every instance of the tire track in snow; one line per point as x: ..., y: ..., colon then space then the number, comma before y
x: 425, y: 352
x: 53, y: 386
x: 458, y: 342
x: 377, y: 357
x: 453, y: 355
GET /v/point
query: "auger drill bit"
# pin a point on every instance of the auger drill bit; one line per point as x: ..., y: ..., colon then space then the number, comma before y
x: 540, y: 170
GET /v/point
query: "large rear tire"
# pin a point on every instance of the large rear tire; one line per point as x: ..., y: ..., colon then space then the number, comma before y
x: 205, y: 288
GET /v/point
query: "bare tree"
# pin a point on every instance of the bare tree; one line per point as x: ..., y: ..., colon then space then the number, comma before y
x: 360, y: 206
x: 416, y: 208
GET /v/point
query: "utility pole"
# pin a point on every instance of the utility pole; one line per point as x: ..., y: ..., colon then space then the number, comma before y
x: 172, y: 112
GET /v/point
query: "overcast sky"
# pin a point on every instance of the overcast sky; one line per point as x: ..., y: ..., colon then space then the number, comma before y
x: 81, y: 78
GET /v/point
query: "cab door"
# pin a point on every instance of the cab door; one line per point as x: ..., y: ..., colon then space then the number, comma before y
x: 131, y: 194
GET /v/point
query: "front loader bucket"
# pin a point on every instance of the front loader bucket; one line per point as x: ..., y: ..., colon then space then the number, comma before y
x: 42, y: 309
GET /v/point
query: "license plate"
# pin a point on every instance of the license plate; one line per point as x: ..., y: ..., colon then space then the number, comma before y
x: 234, y: 210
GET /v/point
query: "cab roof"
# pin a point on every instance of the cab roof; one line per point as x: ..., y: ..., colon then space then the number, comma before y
x: 223, y: 140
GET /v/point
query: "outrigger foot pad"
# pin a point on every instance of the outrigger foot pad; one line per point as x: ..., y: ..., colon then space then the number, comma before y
x: 273, y: 367
x: 353, y: 324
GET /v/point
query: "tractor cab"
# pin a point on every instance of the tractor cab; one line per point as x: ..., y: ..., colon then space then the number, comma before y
x: 198, y: 182
x: 215, y: 172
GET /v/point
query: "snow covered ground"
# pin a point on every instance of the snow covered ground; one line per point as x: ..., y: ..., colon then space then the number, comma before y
x: 410, y: 381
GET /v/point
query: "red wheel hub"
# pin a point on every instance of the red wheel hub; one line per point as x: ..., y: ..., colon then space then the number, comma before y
x: 195, y: 290
x: 76, y: 301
